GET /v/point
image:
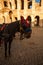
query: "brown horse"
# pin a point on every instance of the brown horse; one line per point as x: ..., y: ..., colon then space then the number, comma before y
x: 9, y: 32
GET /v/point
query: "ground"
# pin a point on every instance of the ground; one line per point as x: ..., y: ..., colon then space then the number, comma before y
x: 26, y: 51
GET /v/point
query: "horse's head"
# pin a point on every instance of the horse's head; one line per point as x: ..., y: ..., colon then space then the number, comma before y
x: 28, y: 34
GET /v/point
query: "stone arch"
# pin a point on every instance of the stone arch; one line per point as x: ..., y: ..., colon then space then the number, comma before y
x: 16, y: 18
x: 37, y: 20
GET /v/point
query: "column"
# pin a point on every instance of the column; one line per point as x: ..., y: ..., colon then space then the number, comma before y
x: 33, y: 12
x: 18, y: 8
x: 13, y: 4
x: 1, y: 4
x: 1, y: 18
x: 42, y: 6
x: 25, y: 8
x: 9, y: 4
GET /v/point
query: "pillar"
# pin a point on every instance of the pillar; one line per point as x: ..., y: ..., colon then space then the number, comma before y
x: 25, y: 8
x: 18, y: 8
x: 41, y: 6
x: 1, y: 4
x: 33, y: 12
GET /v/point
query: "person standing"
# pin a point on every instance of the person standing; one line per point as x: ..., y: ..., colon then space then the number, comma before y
x: 22, y: 27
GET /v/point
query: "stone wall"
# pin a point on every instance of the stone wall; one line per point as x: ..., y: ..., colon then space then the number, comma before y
x: 36, y: 10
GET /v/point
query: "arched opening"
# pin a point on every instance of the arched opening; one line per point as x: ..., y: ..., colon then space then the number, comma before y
x: 10, y: 4
x: 29, y: 18
x: 5, y: 4
x: 16, y: 18
x: 10, y: 15
x: 38, y: 1
x: 37, y: 20
x: 15, y: 4
x: 22, y: 4
x: 29, y: 4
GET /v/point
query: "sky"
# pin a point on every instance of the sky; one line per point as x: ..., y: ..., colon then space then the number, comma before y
x: 37, y: 0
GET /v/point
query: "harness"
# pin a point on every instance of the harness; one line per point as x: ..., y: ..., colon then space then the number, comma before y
x: 27, y: 29
x: 2, y: 27
x: 2, y: 30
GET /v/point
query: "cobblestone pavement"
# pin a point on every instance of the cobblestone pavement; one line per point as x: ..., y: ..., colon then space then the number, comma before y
x: 26, y: 51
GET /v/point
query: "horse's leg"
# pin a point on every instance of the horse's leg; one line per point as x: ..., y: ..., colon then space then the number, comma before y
x: 5, y: 46
x: 9, y: 50
x: 21, y: 34
x: 0, y: 41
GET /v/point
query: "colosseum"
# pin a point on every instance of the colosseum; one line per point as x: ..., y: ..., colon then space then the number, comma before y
x: 25, y: 8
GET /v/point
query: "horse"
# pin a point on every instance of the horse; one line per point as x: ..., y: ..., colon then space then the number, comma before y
x: 9, y: 32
